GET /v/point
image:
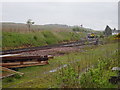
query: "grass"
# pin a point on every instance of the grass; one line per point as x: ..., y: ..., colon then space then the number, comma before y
x: 12, y: 40
x: 100, y: 60
x: 77, y: 62
x: 98, y: 76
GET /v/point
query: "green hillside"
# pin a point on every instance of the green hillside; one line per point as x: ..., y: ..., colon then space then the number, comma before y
x: 12, y: 40
x: 17, y: 35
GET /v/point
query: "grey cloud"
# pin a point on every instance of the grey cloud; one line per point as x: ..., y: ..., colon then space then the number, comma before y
x: 94, y: 15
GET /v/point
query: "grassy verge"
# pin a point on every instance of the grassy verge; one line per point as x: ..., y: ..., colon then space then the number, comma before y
x: 12, y: 40
x: 69, y: 76
x: 98, y: 64
x: 98, y: 76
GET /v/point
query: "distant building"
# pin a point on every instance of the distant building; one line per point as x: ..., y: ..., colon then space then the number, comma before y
x: 115, y: 32
x: 108, y: 31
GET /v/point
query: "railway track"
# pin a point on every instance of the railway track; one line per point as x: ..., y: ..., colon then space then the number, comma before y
x: 71, y: 44
x: 13, y: 58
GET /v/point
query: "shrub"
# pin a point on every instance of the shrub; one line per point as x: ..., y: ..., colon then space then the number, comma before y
x: 67, y: 77
x: 98, y: 76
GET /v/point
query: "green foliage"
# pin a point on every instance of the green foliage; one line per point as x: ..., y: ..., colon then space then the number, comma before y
x: 109, y: 39
x: 98, y: 76
x: 69, y: 36
x: 46, y: 37
x: 35, y: 38
x: 12, y: 78
x: 80, y: 29
x: 99, y: 60
x: 17, y: 76
x: 103, y: 59
x: 67, y: 77
x: 50, y: 38
x: 9, y: 79
x: 76, y: 29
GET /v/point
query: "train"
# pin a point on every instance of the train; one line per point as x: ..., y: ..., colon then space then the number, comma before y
x: 91, y: 35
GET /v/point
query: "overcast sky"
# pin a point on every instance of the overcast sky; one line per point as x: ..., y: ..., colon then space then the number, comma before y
x: 94, y: 15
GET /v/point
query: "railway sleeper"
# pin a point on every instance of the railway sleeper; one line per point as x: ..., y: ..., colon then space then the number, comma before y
x: 16, y: 61
x: 25, y: 58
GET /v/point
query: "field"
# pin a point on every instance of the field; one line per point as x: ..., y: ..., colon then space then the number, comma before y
x: 69, y: 70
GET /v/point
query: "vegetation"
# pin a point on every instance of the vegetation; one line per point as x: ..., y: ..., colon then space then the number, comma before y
x: 29, y: 23
x: 81, y: 29
x: 90, y: 68
x: 95, y: 70
x: 98, y: 77
x: 16, y: 35
x: 13, y: 40
x: 21, y: 27
x: 13, y: 78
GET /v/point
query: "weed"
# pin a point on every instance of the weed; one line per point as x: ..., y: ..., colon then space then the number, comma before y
x: 17, y: 76
x: 91, y: 68
x: 94, y: 72
x: 9, y: 79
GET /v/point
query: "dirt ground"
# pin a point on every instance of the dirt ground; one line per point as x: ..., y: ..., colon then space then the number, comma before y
x: 53, y: 51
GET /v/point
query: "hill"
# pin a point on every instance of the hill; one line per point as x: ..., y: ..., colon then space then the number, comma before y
x: 17, y: 35
x: 21, y: 27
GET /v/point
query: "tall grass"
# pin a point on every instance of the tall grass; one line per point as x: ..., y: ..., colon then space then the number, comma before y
x: 18, y: 40
x: 90, y: 68
x: 92, y: 71
x: 98, y: 77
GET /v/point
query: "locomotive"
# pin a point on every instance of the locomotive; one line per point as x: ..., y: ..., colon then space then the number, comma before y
x: 91, y: 35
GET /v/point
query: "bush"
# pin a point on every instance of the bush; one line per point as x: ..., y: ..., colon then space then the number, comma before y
x: 93, y: 70
x: 98, y: 76
x: 67, y: 77
x: 35, y: 38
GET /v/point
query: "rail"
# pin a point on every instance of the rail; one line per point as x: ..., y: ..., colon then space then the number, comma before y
x: 15, y: 51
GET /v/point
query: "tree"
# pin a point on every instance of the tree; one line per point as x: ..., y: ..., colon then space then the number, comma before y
x: 29, y: 23
x: 81, y: 25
